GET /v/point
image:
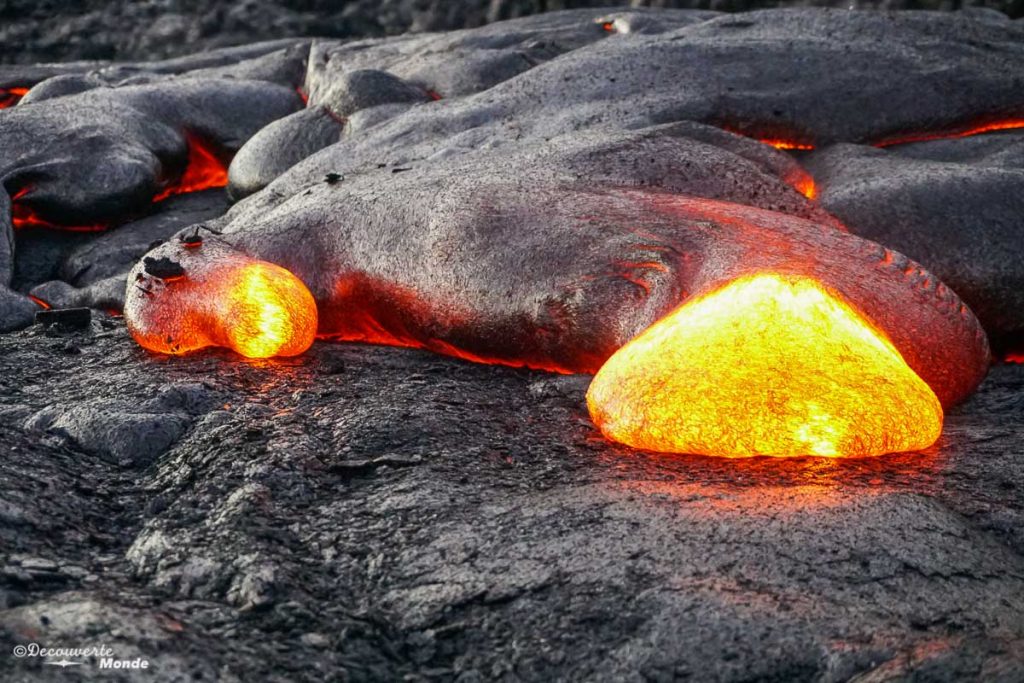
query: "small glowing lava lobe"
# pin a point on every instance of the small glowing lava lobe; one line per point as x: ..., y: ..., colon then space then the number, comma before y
x: 255, y: 308
x: 766, y: 365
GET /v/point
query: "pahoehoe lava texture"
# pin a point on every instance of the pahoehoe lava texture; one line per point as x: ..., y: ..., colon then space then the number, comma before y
x: 537, y: 270
x: 95, y: 147
x: 492, y: 222
x: 551, y: 184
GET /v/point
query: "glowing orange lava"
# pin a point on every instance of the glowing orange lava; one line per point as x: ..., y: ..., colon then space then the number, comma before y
x: 991, y: 126
x: 1015, y: 357
x: 256, y: 308
x: 24, y: 216
x: 766, y: 365
x: 786, y: 144
x: 964, y: 131
x: 368, y: 323
x: 10, y: 96
x: 40, y: 303
x: 204, y: 170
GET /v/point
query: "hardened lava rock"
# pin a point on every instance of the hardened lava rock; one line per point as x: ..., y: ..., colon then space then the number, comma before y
x: 805, y: 76
x: 956, y: 205
x: 89, y: 150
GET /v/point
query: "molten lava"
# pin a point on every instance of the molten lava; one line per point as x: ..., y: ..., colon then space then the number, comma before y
x: 45, y: 305
x: 10, y: 96
x: 24, y: 216
x: 204, y: 170
x: 787, y: 144
x: 978, y: 129
x: 967, y: 130
x: 766, y: 365
x: 256, y: 308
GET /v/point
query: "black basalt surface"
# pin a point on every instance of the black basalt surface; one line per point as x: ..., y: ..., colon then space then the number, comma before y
x: 366, y: 513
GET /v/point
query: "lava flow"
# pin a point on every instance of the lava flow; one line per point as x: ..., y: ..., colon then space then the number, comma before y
x: 992, y: 126
x: 204, y: 170
x: 767, y: 365
x: 787, y: 143
x: 256, y: 308
x: 24, y: 216
x: 11, y: 96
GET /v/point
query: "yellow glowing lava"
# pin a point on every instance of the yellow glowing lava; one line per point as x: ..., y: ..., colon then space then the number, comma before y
x: 270, y: 313
x: 767, y: 365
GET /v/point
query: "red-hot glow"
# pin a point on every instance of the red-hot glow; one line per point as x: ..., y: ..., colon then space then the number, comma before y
x: 204, y: 170
x: 303, y: 95
x: 39, y: 302
x: 368, y: 323
x: 434, y: 95
x: 807, y: 188
x: 1006, y: 124
x: 1015, y: 357
x: 791, y: 143
x: 10, y: 96
x: 765, y: 365
x: 786, y: 144
x: 23, y: 216
x: 256, y: 308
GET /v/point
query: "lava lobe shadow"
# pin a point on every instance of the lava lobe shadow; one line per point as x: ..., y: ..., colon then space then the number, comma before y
x: 765, y: 365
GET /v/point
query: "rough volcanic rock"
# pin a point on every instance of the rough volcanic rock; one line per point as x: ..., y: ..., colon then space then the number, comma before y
x: 34, y: 31
x: 956, y: 206
x: 128, y: 434
x: 95, y: 148
x: 379, y: 513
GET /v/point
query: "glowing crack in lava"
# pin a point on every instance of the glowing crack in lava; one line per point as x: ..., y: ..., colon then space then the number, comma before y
x: 10, y: 96
x: 766, y: 365
x: 203, y: 171
x: 256, y: 308
x: 964, y: 131
x: 990, y: 127
x: 24, y: 216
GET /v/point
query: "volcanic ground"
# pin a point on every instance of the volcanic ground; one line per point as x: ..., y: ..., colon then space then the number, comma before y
x: 366, y: 512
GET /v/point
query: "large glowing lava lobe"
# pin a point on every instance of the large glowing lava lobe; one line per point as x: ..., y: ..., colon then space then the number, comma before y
x: 766, y: 365
x: 256, y: 308
x: 204, y: 170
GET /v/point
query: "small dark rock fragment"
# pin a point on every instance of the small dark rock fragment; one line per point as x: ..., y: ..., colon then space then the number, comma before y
x: 66, y: 318
x: 163, y: 268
